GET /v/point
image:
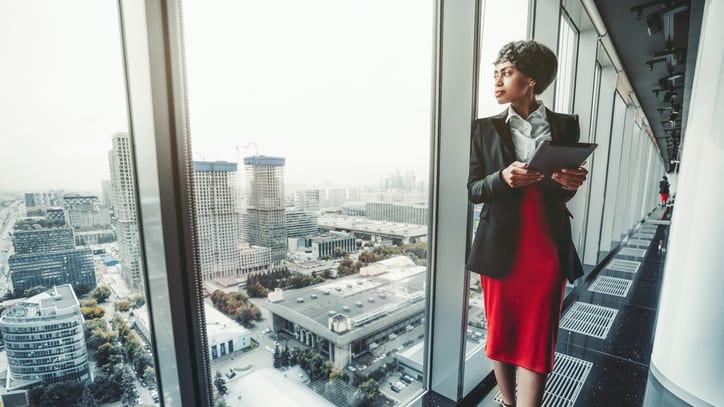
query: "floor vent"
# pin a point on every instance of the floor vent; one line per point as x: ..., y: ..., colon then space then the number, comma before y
x: 628, y: 266
x: 611, y: 286
x: 644, y: 235
x: 631, y: 252
x: 589, y: 319
x: 638, y: 243
x: 564, y: 383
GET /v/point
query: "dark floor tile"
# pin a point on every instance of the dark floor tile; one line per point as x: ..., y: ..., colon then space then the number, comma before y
x: 612, y: 382
x: 630, y: 336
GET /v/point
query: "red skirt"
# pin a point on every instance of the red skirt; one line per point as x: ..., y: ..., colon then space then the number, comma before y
x: 524, y: 308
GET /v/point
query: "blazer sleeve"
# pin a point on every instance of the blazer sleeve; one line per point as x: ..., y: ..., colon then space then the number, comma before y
x: 485, y: 183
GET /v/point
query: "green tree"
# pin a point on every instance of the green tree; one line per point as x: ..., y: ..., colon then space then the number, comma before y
x: 339, y: 252
x: 92, y: 312
x: 138, y: 300
x: 149, y: 376
x: 370, y: 388
x: 220, y: 383
x: 277, y: 358
x: 35, y: 291
x: 87, y: 399
x: 123, y: 306
x: 128, y: 389
x: 106, y: 351
x: 101, y: 293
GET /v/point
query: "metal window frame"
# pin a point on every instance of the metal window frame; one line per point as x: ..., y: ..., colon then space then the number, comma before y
x: 153, y: 66
x: 153, y: 60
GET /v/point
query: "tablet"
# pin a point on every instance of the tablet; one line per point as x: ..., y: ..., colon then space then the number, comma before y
x: 551, y: 157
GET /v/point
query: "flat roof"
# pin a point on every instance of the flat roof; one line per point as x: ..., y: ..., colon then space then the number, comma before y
x: 399, y: 289
x: 376, y: 227
x: 270, y: 387
x: 60, y: 298
x: 220, y: 166
x: 264, y: 160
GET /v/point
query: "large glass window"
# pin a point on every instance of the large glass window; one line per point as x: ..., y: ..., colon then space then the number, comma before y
x: 310, y: 128
x: 499, y: 27
x: 71, y: 271
x: 567, y: 56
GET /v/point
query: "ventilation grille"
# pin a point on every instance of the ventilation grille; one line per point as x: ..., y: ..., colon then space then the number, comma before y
x: 628, y: 251
x: 638, y: 243
x: 611, y: 285
x: 564, y: 383
x: 589, y: 319
x: 643, y: 235
x: 627, y: 266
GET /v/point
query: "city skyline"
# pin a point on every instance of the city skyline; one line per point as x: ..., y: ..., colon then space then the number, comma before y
x: 61, y: 119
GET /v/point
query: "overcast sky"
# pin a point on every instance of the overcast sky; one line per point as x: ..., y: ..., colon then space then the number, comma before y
x: 339, y: 88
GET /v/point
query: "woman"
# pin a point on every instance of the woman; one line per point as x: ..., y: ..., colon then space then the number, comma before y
x: 523, y: 246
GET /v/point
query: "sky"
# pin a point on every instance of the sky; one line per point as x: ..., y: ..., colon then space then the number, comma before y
x: 340, y: 88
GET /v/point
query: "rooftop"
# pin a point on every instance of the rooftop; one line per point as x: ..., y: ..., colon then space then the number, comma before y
x: 397, y: 285
x: 355, y: 223
x: 58, y: 299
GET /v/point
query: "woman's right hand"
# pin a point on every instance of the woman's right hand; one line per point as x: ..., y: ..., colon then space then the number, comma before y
x: 517, y: 175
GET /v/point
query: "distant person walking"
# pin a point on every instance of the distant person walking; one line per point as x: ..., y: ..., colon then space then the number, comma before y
x: 664, y: 190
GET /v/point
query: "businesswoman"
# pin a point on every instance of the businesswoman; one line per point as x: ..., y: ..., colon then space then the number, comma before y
x: 523, y: 247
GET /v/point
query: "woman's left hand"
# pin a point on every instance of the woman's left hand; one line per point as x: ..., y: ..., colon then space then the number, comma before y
x: 570, y: 178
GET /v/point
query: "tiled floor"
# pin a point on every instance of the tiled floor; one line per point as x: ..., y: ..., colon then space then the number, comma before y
x: 621, y: 360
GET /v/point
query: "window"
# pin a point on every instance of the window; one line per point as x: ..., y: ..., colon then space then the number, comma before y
x: 299, y: 111
x: 567, y: 57
x: 70, y: 252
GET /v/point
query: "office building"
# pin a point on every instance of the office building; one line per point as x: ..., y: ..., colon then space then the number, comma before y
x: 300, y: 223
x: 218, y: 219
x: 413, y: 213
x: 307, y: 199
x: 264, y: 216
x: 44, y: 339
x: 86, y: 212
x: 47, y: 257
x: 125, y: 223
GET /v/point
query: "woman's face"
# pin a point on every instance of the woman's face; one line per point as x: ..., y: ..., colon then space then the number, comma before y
x: 511, y: 84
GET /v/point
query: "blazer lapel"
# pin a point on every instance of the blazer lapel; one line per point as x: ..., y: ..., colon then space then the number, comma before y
x: 505, y: 135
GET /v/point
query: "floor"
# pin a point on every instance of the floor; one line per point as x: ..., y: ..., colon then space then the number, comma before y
x: 614, y: 367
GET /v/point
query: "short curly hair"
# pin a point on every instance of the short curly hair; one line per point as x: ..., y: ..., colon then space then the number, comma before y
x: 533, y: 59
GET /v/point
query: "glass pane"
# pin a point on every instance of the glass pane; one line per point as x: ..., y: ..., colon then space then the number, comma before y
x: 71, y: 275
x: 310, y: 126
x: 499, y: 27
x: 567, y: 53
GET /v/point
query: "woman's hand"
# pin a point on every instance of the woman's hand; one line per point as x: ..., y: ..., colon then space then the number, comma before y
x: 571, y: 178
x: 517, y: 175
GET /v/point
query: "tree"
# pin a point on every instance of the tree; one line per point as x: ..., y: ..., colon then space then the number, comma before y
x: 123, y: 306
x: 277, y: 358
x: 87, y: 399
x: 34, y: 291
x: 149, y: 376
x: 339, y: 252
x: 220, y: 383
x: 285, y: 356
x: 128, y: 397
x: 257, y: 290
x: 138, y: 300
x: 92, y: 312
x: 105, y: 352
x: 370, y: 388
x: 101, y: 293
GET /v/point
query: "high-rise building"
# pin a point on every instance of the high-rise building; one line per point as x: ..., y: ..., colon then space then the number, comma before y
x: 264, y: 216
x: 47, y: 257
x: 335, y: 197
x: 218, y: 219
x: 86, y: 211
x: 300, y: 223
x: 43, y: 199
x: 307, y: 199
x: 125, y: 223
x: 44, y: 339
x: 107, y: 191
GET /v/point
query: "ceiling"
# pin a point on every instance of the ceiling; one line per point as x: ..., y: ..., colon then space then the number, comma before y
x: 660, y: 65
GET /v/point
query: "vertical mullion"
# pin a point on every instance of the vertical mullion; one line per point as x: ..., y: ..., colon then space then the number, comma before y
x: 455, y: 74
x: 153, y: 56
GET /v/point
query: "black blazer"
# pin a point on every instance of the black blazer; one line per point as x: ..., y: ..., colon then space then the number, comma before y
x: 496, y: 241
